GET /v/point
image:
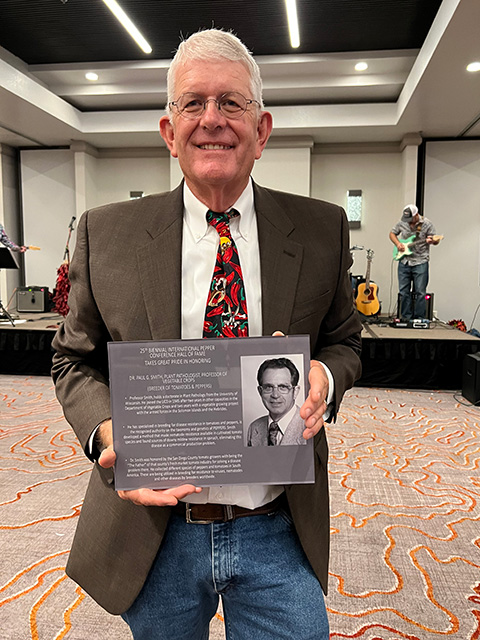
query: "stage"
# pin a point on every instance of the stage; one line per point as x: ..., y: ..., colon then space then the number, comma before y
x: 414, y: 358
x: 391, y: 357
x: 26, y: 347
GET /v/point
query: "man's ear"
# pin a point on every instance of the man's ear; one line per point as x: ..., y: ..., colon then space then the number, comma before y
x: 259, y: 389
x: 295, y: 392
x: 264, y: 129
x: 168, y: 134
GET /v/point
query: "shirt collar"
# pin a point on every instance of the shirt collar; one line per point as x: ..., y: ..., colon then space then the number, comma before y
x: 284, y: 420
x: 194, y: 213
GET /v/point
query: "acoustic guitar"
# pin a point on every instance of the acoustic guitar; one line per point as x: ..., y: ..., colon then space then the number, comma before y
x: 367, y: 293
x: 409, y: 244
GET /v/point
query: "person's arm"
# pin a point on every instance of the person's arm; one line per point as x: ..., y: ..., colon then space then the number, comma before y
x: 80, y: 373
x: 4, y: 239
x: 394, y: 238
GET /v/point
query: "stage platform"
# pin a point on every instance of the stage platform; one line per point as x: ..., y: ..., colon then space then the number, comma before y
x: 26, y: 347
x: 391, y: 357
x: 415, y: 358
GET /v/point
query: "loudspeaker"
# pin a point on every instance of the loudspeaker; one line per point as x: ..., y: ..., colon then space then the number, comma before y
x: 428, y: 305
x: 471, y: 378
x: 32, y: 299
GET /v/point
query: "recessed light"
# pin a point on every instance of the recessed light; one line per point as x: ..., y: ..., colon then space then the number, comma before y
x: 91, y: 76
x: 473, y: 66
x: 361, y: 66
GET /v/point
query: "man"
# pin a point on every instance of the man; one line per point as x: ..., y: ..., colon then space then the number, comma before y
x: 413, y: 266
x: 4, y: 239
x: 161, y: 558
x: 278, y: 389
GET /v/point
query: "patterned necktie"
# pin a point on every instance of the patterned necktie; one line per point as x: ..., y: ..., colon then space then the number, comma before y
x: 226, y: 312
x: 273, y: 430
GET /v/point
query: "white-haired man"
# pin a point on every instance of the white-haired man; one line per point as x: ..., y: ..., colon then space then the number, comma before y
x: 412, y: 236
x: 148, y: 555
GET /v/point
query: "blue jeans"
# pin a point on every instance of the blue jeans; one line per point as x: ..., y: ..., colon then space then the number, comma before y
x: 257, y: 566
x: 418, y: 277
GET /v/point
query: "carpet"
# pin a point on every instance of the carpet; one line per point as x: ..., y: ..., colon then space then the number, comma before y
x: 405, y: 487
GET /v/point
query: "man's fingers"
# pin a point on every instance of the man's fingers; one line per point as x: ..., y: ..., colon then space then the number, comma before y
x: 107, y: 458
x: 159, y: 497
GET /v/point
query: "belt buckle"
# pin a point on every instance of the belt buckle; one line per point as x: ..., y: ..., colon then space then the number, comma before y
x: 227, y: 511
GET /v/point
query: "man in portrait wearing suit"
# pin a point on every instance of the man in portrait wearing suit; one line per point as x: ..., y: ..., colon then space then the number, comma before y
x: 217, y: 256
x: 278, y: 388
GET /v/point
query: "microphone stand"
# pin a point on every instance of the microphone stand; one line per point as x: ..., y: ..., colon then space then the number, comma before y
x: 66, y: 255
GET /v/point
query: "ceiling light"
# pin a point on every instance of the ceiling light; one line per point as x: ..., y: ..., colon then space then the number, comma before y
x: 91, y: 76
x: 292, y: 23
x: 125, y: 21
x: 361, y: 66
x: 473, y: 66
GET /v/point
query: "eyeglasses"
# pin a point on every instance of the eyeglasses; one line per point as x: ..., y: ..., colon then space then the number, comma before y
x: 283, y: 388
x: 232, y: 105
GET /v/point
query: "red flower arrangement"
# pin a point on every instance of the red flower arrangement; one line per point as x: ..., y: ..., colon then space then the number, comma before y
x: 458, y: 324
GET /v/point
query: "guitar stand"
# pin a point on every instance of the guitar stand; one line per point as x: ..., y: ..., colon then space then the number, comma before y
x: 4, y: 314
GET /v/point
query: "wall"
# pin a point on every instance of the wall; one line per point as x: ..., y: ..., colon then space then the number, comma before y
x: 115, y: 177
x: 380, y: 177
x: 452, y: 202
x: 48, y: 195
x: 10, y: 218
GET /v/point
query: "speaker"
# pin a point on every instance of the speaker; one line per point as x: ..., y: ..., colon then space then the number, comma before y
x: 32, y: 299
x: 428, y: 305
x: 471, y: 378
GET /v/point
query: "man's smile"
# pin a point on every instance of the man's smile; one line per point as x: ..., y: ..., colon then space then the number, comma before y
x: 215, y: 147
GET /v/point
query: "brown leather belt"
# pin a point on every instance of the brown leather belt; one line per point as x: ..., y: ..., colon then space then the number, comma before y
x: 211, y: 512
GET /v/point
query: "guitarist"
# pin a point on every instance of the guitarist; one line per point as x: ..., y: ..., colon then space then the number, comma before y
x: 4, y: 239
x: 413, y: 268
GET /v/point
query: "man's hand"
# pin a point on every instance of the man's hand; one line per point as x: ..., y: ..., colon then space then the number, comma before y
x: 145, y: 497
x: 401, y: 246
x: 315, y: 405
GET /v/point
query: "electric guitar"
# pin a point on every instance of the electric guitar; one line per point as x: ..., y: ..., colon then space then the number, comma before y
x: 367, y: 293
x: 408, y: 244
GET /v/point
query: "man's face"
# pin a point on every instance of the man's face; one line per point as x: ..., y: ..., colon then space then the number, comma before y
x: 414, y: 220
x: 214, y: 150
x: 277, y: 403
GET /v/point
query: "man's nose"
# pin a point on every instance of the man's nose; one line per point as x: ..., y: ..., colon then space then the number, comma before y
x: 212, y: 116
x: 275, y: 392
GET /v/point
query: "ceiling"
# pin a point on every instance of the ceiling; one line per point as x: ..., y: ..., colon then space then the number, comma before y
x: 416, y: 82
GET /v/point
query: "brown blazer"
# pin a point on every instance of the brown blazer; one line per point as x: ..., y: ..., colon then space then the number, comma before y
x: 126, y: 285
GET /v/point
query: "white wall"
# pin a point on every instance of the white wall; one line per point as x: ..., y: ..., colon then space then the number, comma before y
x: 452, y: 202
x: 48, y: 195
x: 58, y: 184
x: 380, y: 177
x: 9, y: 217
x: 115, y: 177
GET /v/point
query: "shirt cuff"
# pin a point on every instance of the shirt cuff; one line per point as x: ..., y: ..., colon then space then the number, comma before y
x: 331, y: 390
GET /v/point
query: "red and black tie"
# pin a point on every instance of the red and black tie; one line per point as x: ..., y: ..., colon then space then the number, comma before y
x: 226, y: 312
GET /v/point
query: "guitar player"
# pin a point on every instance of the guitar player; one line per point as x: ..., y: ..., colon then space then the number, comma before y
x: 412, y: 236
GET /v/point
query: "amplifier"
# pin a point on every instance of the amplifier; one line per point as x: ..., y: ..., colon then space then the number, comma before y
x: 32, y: 299
x: 471, y: 378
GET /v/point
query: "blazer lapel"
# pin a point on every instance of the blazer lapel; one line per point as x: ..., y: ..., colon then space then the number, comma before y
x: 160, y: 266
x: 280, y: 262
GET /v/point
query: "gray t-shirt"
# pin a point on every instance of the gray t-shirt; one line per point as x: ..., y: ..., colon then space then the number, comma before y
x: 420, y: 248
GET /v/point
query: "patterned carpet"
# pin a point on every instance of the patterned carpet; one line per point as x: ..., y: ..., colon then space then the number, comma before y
x: 405, y: 488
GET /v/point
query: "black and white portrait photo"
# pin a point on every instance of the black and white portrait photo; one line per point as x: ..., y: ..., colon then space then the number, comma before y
x: 278, y: 388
